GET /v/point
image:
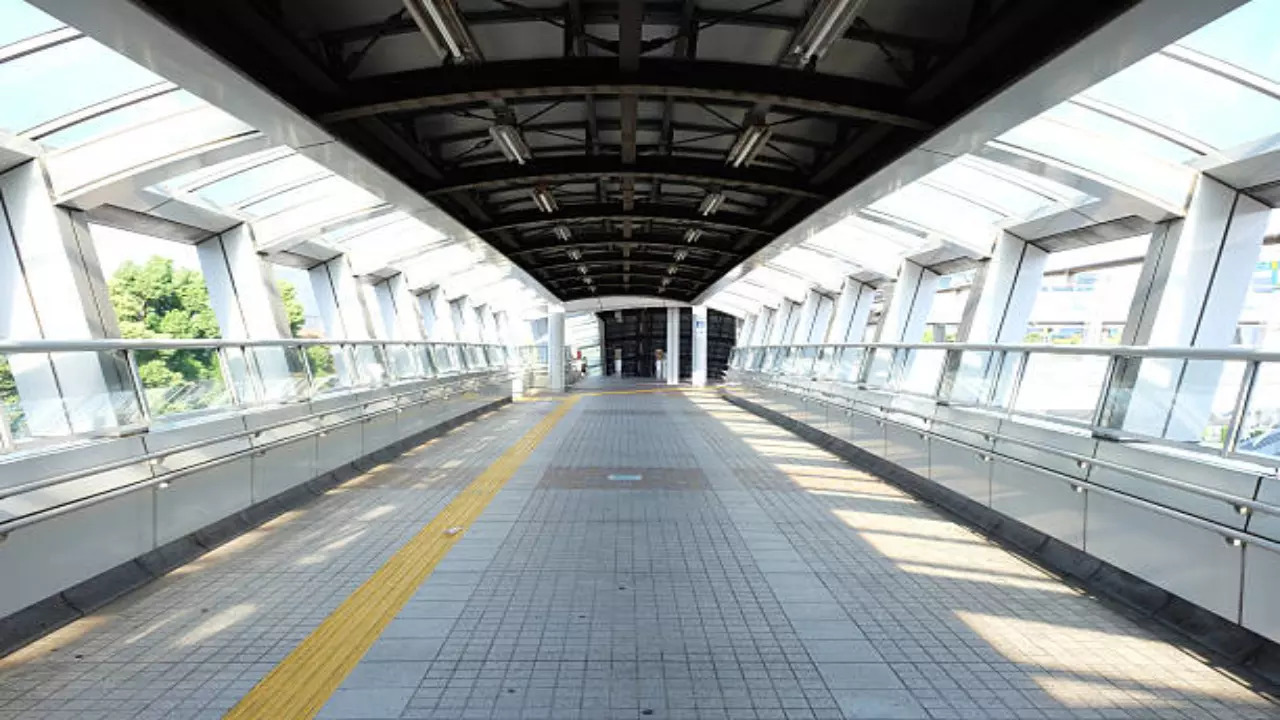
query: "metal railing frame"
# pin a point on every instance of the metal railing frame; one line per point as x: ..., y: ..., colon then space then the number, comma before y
x: 1121, y: 362
x: 423, y: 360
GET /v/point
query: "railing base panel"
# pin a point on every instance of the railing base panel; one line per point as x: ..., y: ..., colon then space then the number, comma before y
x: 43, y: 617
x: 1254, y: 656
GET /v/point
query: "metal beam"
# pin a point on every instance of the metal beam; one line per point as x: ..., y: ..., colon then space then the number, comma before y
x: 444, y: 87
x: 610, y: 262
x: 587, y: 242
x: 492, y: 176
x: 655, y: 14
x: 724, y: 222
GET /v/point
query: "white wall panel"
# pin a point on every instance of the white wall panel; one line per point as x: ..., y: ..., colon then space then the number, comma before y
x: 40, y: 560
x: 202, y: 498
x: 1040, y: 499
x: 960, y: 468
x: 1189, y: 561
x: 1261, y: 606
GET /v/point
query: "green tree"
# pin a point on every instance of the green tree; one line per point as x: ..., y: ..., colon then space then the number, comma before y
x: 156, y: 300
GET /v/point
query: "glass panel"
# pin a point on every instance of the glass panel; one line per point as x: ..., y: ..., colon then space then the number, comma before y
x: 324, y: 368
x: 1195, y: 102
x: 1061, y: 386
x: 61, y: 394
x: 232, y: 191
x: 974, y: 376
x: 183, y: 381
x: 1245, y: 37
x: 850, y: 363
x: 283, y: 373
x: 924, y: 367
x: 83, y: 72
x: 402, y: 362
x: 19, y: 21
x: 1188, y: 401
x: 170, y: 103
x: 966, y: 222
x: 370, y: 366
x: 1111, y: 158
x: 1010, y: 363
x: 878, y: 374
x: 1260, y: 427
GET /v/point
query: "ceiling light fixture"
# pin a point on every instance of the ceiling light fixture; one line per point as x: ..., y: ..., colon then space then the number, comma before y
x: 711, y: 202
x: 828, y: 23
x: 545, y: 201
x: 681, y: 254
x: 575, y: 254
x: 511, y: 143
x: 582, y: 269
x: 672, y: 269
x: 562, y: 232
x: 442, y: 24
x: 749, y: 144
x: 692, y: 234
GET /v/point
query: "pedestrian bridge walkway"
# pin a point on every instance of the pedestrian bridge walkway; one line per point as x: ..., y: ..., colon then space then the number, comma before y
x: 618, y: 552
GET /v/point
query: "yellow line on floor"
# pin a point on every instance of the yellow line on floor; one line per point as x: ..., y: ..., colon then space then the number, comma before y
x: 301, y: 684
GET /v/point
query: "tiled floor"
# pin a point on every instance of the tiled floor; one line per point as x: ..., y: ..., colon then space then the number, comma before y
x: 659, y: 555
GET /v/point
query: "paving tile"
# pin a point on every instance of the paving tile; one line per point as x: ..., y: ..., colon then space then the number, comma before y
x: 747, y: 574
x: 366, y: 704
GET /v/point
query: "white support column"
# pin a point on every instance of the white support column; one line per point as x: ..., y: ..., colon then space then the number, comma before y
x: 821, y: 322
x: 907, y: 304
x: 764, y: 326
x: 342, y: 310
x: 1004, y: 292
x: 247, y: 304
x: 808, y: 310
x: 743, y: 330
x: 242, y: 290
x: 673, y: 346
x: 408, y: 311
x: 853, y: 309
x: 699, y: 339
x: 437, y: 319
x: 52, y: 287
x: 382, y: 309
x: 781, y: 323
x: 555, y: 348
x: 1196, y: 280
x: 341, y: 306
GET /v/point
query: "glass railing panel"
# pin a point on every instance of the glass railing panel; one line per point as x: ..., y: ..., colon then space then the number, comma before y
x: 1061, y: 387
x: 880, y: 370
x: 330, y: 366
x: 922, y: 371
x: 1182, y: 401
x: 444, y: 360
x: 371, y: 366
x: 425, y: 360
x: 1259, y: 433
x: 192, y: 380
x: 975, y: 374
x: 825, y: 368
x: 849, y: 363
x: 402, y: 362
x: 63, y: 394
x: 283, y: 373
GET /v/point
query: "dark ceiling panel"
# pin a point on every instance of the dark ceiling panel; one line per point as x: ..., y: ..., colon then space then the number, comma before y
x: 629, y: 130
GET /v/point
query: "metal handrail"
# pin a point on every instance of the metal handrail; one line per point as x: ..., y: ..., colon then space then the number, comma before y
x: 1227, y: 532
x: 158, y: 455
x: 1137, y: 351
x: 38, y: 516
x: 1235, y: 501
x: 887, y: 367
x: 49, y: 346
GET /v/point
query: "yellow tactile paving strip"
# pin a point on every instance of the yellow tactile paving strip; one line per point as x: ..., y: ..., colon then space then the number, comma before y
x: 301, y: 684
